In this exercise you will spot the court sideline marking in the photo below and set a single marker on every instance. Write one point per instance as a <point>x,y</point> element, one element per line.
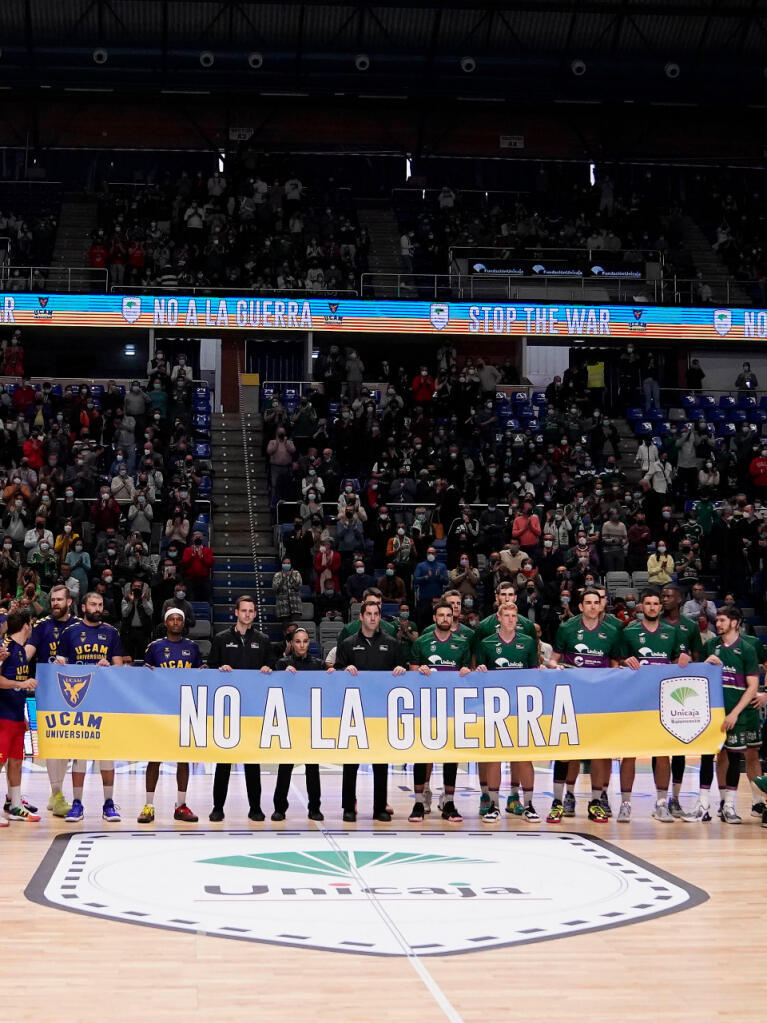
<point>413,958</point>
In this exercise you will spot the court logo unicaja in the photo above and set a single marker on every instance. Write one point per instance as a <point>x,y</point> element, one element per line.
<point>685,709</point>
<point>365,892</point>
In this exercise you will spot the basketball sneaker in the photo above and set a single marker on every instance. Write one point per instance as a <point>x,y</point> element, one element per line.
<point>514,804</point>
<point>624,814</point>
<point>110,812</point>
<point>675,807</point>
<point>568,806</point>
<point>529,814</point>
<point>596,812</point>
<point>24,802</point>
<point>183,813</point>
<point>58,805</point>
<point>662,813</point>
<point>555,813</point>
<point>427,794</point>
<point>604,802</point>
<point>76,812</point>
<point>450,812</point>
<point>147,815</point>
<point>730,815</point>
<point>492,814</point>
<point>416,814</point>
<point>699,813</point>
<point>20,813</point>
<point>484,804</point>
<point>758,809</point>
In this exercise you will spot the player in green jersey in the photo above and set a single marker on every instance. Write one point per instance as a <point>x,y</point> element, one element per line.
<point>352,628</point>
<point>505,593</point>
<point>753,763</point>
<point>442,650</point>
<point>453,598</point>
<point>585,642</point>
<point>649,640</point>
<point>671,598</point>
<point>508,648</point>
<point>740,678</point>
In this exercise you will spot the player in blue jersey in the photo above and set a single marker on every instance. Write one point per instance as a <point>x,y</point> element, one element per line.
<point>15,685</point>
<point>91,641</point>
<point>172,652</point>
<point>43,645</point>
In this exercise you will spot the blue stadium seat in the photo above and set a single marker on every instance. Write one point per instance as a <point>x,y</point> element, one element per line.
<point>763,401</point>
<point>538,397</point>
<point>202,391</point>
<point>204,517</point>
<point>634,414</point>
<point>690,401</point>
<point>757,415</point>
<point>747,401</point>
<point>205,488</point>
<point>533,425</point>
<point>390,610</point>
<point>707,401</point>
<point>201,609</point>
<point>643,429</point>
<point>726,430</point>
<point>738,416</point>
<point>201,450</point>
<point>662,429</point>
<point>97,390</point>
<point>696,415</point>
<point>727,402</point>
<point>57,390</point>
<point>716,416</point>
<point>519,397</point>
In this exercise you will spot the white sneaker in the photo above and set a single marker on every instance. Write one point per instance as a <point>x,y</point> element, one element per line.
<point>699,813</point>
<point>492,815</point>
<point>426,799</point>
<point>730,815</point>
<point>624,814</point>
<point>662,813</point>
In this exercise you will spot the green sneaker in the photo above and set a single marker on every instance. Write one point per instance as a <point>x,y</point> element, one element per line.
<point>761,782</point>
<point>484,804</point>
<point>58,805</point>
<point>514,805</point>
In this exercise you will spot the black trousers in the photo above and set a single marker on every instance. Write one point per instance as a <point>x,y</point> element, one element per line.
<point>252,784</point>
<point>284,774</point>
<point>449,774</point>
<point>349,787</point>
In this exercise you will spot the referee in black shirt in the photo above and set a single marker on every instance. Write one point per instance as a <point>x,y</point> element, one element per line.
<point>240,647</point>
<point>368,650</point>
<point>298,659</point>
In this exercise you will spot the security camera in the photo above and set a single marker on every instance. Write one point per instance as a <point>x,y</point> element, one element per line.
<point>672,70</point>
<point>100,56</point>
<point>255,60</point>
<point>362,62</point>
<point>578,68</point>
<point>207,59</point>
<point>468,64</point>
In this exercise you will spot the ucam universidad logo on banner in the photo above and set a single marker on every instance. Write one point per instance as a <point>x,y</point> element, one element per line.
<point>685,707</point>
<point>391,894</point>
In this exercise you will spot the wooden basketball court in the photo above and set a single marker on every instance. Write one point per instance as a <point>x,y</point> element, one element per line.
<point>701,961</point>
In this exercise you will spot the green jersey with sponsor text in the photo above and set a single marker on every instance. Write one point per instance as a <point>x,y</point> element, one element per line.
<point>661,645</point>
<point>521,652</point>
<point>581,647</point>
<point>444,655</point>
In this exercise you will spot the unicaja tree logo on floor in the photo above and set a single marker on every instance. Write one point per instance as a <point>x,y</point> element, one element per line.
<point>398,894</point>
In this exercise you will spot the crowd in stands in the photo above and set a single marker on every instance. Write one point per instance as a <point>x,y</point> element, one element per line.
<point>436,482</point>
<point>107,489</point>
<point>629,223</point>
<point>242,232</point>
<point>28,224</point>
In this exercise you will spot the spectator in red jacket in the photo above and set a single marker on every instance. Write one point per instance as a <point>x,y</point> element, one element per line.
<point>327,564</point>
<point>758,472</point>
<point>105,512</point>
<point>98,255</point>
<point>197,565</point>
<point>423,387</point>
<point>526,528</point>
<point>24,396</point>
<point>33,451</point>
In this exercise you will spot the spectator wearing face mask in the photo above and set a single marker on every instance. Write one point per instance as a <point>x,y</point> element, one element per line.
<point>429,580</point>
<point>401,550</point>
<point>38,534</point>
<point>136,407</point>
<point>614,543</point>
<point>708,475</point>
<point>422,387</point>
<point>492,527</point>
<point>392,586</point>
<point>71,509</point>
<point>122,487</point>
<point>9,566</point>
<point>16,521</point>
<point>287,585</point>
<point>136,618</point>
<point>358,581</point>
<point>280,452</point>
<point>79,561</point>
<point>757,470</point>
<point>465,578</point>
<point>177,527</point>
<point>526,527</point>
<point>327,565</point>
<point>660,566</point>
<point>197,564</point>
<point>141,516</point>
<point>65,541</point>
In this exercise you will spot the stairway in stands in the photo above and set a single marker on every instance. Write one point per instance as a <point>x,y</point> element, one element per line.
<point>384,256</point>
<point>244,540</point>
<point>77,222</point>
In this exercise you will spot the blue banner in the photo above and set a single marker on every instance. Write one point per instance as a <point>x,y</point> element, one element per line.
<point>316,717</point>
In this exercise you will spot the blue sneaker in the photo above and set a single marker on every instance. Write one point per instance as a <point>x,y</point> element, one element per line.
<point>76,812</point>
<point>109,813</point>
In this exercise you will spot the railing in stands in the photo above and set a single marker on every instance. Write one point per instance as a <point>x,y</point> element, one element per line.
<point>512,251</point>
<point>53,278</point>
<point>212,289</point>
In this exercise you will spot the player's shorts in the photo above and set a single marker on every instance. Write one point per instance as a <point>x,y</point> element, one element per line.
<point>11,740</point>
<point>747,732</point>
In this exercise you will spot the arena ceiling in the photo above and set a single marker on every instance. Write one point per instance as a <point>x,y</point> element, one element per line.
<point>567,50</point>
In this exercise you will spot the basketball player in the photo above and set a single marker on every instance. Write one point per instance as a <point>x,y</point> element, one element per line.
<point>15,684</point>
<point>440,650</point>
<point>43,644</point>
<point>585,642</point>
<point>175,651</point>
<point>91,641</point>
<point>509,648</point>
<point>649,640</point>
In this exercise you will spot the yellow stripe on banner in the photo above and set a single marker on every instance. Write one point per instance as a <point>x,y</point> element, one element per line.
<point>156,737</point>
